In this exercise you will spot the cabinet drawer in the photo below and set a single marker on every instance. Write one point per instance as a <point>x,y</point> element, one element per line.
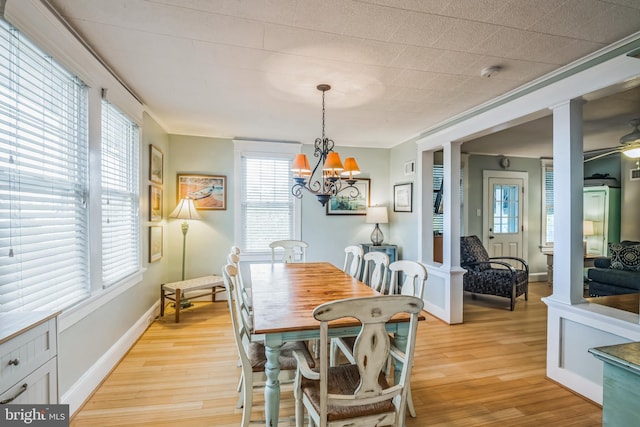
<point>26,352</point>
<point>38,388</point>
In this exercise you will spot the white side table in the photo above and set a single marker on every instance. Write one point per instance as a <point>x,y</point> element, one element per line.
<point>174,291</point>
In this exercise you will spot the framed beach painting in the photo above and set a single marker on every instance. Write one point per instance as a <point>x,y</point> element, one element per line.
<point>346,204</point>
<point>155,243</point>
<point>156,170</point>
<point>155,203</point>
<point>207,191</point>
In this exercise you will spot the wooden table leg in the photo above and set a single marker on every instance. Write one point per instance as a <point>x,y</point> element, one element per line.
<point>272,387</point>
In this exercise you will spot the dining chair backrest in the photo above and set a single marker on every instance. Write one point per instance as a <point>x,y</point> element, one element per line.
<point>353,260</point>
<point>235,250</point>
<point>371,351</point>
<point>376,268</point>
<point>240,318</point>
<point>243,288</point>
<point>415,278</point>
<point>293,250</point>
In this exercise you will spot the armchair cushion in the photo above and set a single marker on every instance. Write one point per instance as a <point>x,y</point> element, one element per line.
<point>473,252</point>
<point>625,256</point>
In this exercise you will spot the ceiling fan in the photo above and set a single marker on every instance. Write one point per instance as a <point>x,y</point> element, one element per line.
<point>630,144</point>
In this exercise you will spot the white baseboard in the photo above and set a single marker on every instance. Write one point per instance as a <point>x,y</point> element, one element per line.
<point>537,277</point>
<point>79,392</point>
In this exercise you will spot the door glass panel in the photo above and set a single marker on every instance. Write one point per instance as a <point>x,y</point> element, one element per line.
<point>505,208</point>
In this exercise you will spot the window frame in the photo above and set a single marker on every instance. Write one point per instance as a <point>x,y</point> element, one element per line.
<point>44,145</point>
<point>546,167</point>
<point>263,149</point>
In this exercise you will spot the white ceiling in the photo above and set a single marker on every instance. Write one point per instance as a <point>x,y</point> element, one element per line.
<point>249,69</point>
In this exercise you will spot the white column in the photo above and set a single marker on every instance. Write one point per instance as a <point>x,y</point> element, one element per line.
<point>451,237</point>
<point>568,202</point>
<point>451,205</point>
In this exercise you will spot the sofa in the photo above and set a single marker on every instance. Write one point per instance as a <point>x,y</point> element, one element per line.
<point>617,274</point>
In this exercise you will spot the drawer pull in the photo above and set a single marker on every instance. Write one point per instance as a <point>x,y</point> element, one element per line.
<point>15,361</point>
<point>23,388</point>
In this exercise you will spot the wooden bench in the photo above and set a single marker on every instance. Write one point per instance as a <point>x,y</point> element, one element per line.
<point>175,291</point>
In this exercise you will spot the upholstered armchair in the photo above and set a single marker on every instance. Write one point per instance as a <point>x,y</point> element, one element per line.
<point>492,276</point>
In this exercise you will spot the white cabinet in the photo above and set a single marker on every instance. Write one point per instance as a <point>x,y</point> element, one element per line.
<point>28,358</point>
<point>602,207</point>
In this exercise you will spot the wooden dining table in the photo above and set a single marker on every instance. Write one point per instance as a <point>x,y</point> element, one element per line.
<point>284,297</point>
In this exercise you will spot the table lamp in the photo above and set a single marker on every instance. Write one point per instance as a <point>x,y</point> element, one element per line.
<point>377,215</point>
<point>587,230</point>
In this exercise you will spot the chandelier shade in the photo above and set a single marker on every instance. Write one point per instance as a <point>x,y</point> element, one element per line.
<point>324,180</point>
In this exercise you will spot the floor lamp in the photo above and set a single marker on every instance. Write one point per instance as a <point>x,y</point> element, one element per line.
<point>185,210</point>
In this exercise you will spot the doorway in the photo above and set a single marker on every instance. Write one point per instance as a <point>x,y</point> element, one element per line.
<point>505,210</point>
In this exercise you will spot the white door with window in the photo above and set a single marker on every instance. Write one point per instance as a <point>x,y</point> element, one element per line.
<point>505,208</point>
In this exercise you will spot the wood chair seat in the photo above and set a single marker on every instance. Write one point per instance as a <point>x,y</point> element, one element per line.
<point>258,359</point>
<point>344,380</point>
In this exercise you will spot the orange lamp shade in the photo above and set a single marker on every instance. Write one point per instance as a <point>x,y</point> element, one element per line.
<point>300,165</point>
<point>351,167</point>
<point>333,163</point>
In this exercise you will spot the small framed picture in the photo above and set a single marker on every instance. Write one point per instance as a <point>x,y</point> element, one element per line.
<point>409,167</point>
<point>155,243</point>
<point>402,197</point>
<point>156,159</point>
<point>155,203</point>
<point>207,191</point>
<point>349,201</point>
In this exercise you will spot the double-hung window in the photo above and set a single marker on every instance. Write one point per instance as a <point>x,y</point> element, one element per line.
<point>547,204</point>
<point>44,245</point>
<point>120,196</point>
<point>267,209</point>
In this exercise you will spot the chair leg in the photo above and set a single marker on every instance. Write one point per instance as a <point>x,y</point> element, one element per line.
<point>248,402</point>
<point>412,410</point>
<point>333,353</point>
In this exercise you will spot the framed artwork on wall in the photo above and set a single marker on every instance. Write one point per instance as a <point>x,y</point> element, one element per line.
<point>156,170</point>
<point>402,197</point>
<point>345,204</point>
<point>155,243</point>
<point>207,191</point>
<point>155,203</point>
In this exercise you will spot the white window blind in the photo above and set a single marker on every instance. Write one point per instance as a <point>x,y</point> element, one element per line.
<point>267,205</point>
<point>120,196</point>
<point>43,179</point>
<point>438,222</point>
<point>547,208</point>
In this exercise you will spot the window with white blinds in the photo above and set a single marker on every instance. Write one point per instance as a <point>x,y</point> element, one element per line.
<point>120,196</point>
<point>547,203</point>
<point>43,179</point>
<point>438,221</point>
<point>267,205</point>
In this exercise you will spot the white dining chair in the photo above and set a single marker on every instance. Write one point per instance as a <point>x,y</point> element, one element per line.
<point>376,278</point>
<point>292,250</point>
<point>353,260</point>
<point>376,270</point>
<point>415,278</point>
<point>358,394</point>
<point>252,354</point>
<point>234,259</point>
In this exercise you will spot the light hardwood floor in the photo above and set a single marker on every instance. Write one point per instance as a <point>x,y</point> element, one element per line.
<point>488,371</point>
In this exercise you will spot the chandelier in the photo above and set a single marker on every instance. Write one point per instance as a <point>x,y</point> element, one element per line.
<point>327,182</point>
